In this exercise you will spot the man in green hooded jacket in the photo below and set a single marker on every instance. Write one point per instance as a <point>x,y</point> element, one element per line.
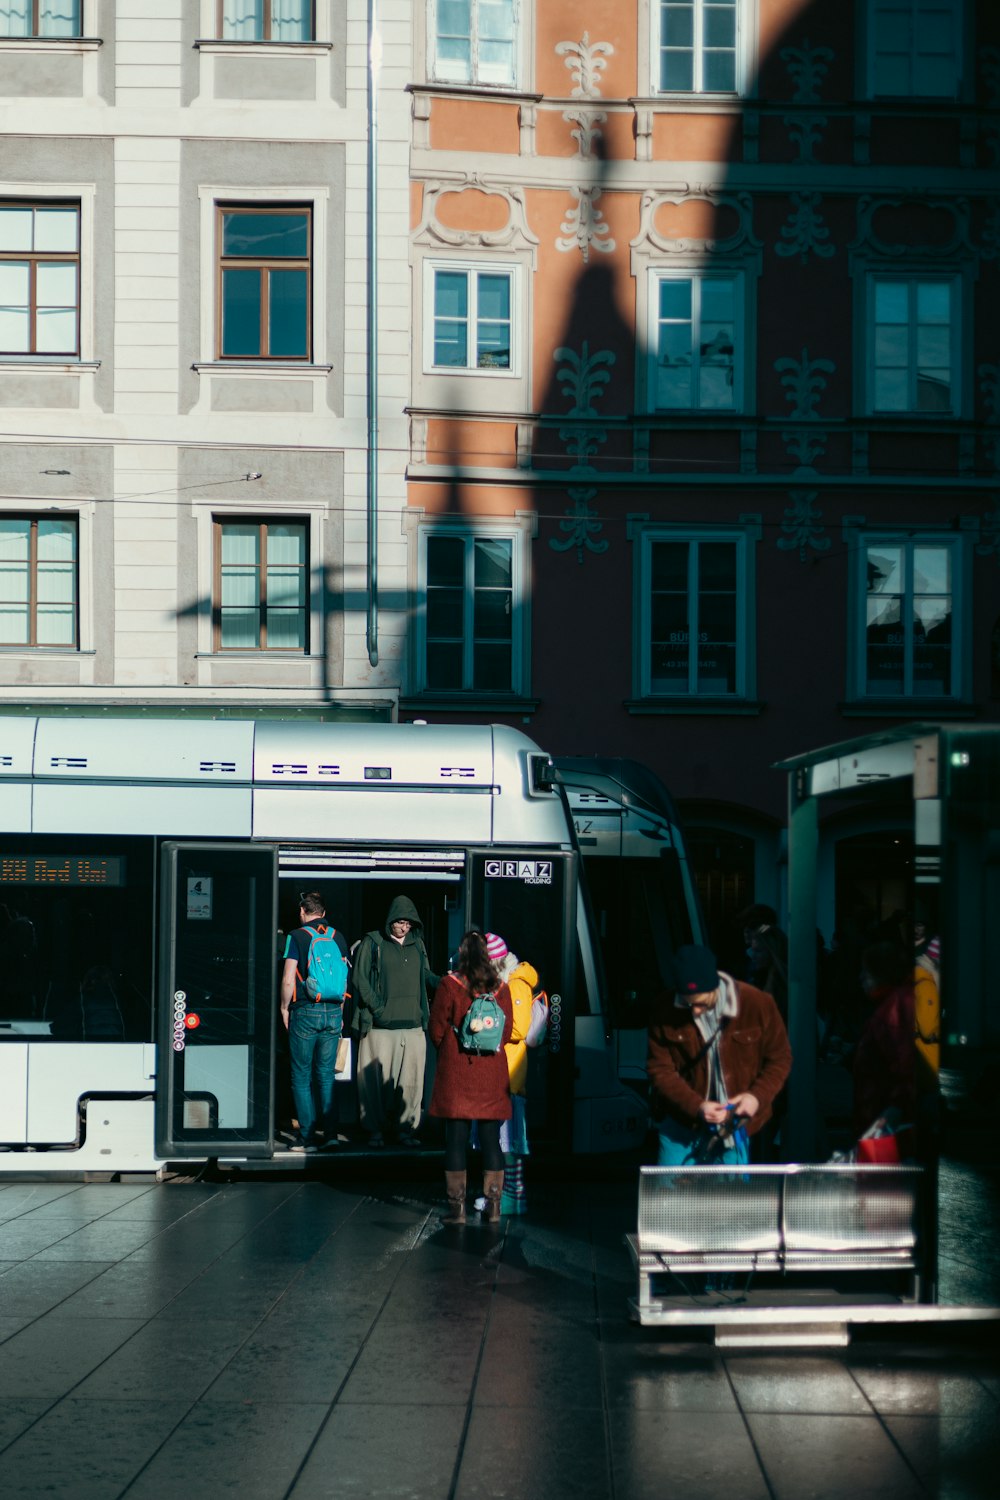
<point>391,980</point>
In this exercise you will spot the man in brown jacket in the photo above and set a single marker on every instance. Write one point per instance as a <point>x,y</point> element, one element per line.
<point>718,1051</point>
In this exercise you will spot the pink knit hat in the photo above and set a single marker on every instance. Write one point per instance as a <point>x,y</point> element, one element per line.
<point>496,948</point>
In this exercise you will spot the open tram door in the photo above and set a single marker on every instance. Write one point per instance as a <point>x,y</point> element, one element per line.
<point>216,1000</point>
<point>529,897</point>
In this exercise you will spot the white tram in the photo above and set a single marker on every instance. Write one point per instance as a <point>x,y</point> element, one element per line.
<point>149,869</point>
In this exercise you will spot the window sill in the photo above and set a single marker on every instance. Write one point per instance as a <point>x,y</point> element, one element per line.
<point>48,43</point>
<point>253,654</point>
<point>34,652</point>
<point>907,708</point>
<point>681,103</point>
<point>49,362</point>
<point>504,92</point>
<point>265,49</point>
<point>260,367</point>
<point>469,702</point>
<point>680,705</point>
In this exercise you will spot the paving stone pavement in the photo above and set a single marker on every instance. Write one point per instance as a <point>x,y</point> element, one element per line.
<point>323,1336</point>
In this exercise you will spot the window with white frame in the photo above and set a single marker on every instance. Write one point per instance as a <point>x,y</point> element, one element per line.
<point>471,323</point>
<point>43,18</point>
<point>39,278</point>
<point>39,582</point>
<point>697,46</point>
<point>473,42</point>
<point>915,48</point>
<point>913,332</point>
<point>472,611</point>
<point>266,20</point>
<point>695,614</point>
<point>265,281</point>
<point>696,338</point>
<point>909,621</point>
<point>261,589</point>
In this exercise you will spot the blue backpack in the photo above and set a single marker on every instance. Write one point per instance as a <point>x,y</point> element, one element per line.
<point>481,1028</point>
<point>326,966</point>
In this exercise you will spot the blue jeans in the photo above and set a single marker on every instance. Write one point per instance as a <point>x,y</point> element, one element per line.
<point>677,1143</point>
<point>314,1030</point>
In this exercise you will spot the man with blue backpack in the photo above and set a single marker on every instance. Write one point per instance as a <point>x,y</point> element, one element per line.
<point>313,989</point>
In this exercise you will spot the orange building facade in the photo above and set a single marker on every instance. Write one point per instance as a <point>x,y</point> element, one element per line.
<point>705,388</point>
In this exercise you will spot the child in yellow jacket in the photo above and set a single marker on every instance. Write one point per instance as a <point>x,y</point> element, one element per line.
<point>522,980</point>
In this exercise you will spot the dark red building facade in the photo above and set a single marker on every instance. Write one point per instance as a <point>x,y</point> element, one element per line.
<point>705,400</point>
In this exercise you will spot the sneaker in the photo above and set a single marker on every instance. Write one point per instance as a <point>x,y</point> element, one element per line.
<point>408,1139</point>
<point>329,1146</point>
<point>296,1145</point>
<point>311,1148</point>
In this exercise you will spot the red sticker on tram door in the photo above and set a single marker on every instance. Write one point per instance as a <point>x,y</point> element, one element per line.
<point>191,1020</point>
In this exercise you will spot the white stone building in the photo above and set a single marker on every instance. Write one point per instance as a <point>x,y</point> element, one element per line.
<point>185,500</point>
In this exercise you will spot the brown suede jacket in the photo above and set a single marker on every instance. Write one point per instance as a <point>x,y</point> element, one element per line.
<point>756,1057</point>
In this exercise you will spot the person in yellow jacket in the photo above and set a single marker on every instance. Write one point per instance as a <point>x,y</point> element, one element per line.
<point>522,980</point>
<point>927,994</point>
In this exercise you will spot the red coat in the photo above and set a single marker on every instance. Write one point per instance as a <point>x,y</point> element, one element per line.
<point>467,1086</point>
<point>885,1060</point>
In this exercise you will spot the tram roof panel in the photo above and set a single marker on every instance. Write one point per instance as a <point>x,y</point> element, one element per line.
<point>113,749</point>
<point>17,746</point>
<point>393,754</point>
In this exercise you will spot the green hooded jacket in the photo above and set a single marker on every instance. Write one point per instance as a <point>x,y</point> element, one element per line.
<point>368,977</point>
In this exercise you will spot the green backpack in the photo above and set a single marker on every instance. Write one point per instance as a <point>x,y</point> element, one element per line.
<point>481,1028</point>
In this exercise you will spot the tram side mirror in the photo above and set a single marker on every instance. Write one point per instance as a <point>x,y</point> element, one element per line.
<point>542,775</point>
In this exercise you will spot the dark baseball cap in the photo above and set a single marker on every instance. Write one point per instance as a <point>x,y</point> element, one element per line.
<point>695,971</point>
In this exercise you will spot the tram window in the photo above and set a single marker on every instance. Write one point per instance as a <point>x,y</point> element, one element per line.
<point>76,952</point>
<point>641,917</point>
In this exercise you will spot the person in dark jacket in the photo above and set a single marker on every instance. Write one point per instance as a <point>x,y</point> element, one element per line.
<point>470,1086</point>
<point>392,978</point>
<point>717,1049</point>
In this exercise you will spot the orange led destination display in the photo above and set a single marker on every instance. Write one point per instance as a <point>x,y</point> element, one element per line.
<point>62,869</point>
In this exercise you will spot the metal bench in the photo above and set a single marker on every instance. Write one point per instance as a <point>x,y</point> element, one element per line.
<point>780,1219</point>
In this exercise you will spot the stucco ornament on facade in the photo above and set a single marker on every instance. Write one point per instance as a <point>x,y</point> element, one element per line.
<point>586,60</point>
<point>869,240</point>
<point>584,227</point>
<point>583,377</point>
<point>649,240</point>
<point>805,232</point>
<point>804,381</point>
<point>808,66</point>
<point>802,526</point>
<point>514,235</point>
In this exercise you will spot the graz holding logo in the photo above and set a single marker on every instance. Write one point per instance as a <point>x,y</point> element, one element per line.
<point>530,871</point>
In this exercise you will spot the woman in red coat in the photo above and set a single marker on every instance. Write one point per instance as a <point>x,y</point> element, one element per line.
<point>467,1085</point>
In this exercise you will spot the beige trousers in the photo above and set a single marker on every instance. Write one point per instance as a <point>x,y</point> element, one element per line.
<point>391,1078</point>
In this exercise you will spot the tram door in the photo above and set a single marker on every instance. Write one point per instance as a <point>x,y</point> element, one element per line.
<point>216,1000</point>
<point>532,904</point>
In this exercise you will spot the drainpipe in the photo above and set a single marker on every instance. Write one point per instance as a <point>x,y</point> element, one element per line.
<point>374,59</point>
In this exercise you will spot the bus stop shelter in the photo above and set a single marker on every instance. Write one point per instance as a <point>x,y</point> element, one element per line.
<point>948,776</point>
<point>841,1217</point>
